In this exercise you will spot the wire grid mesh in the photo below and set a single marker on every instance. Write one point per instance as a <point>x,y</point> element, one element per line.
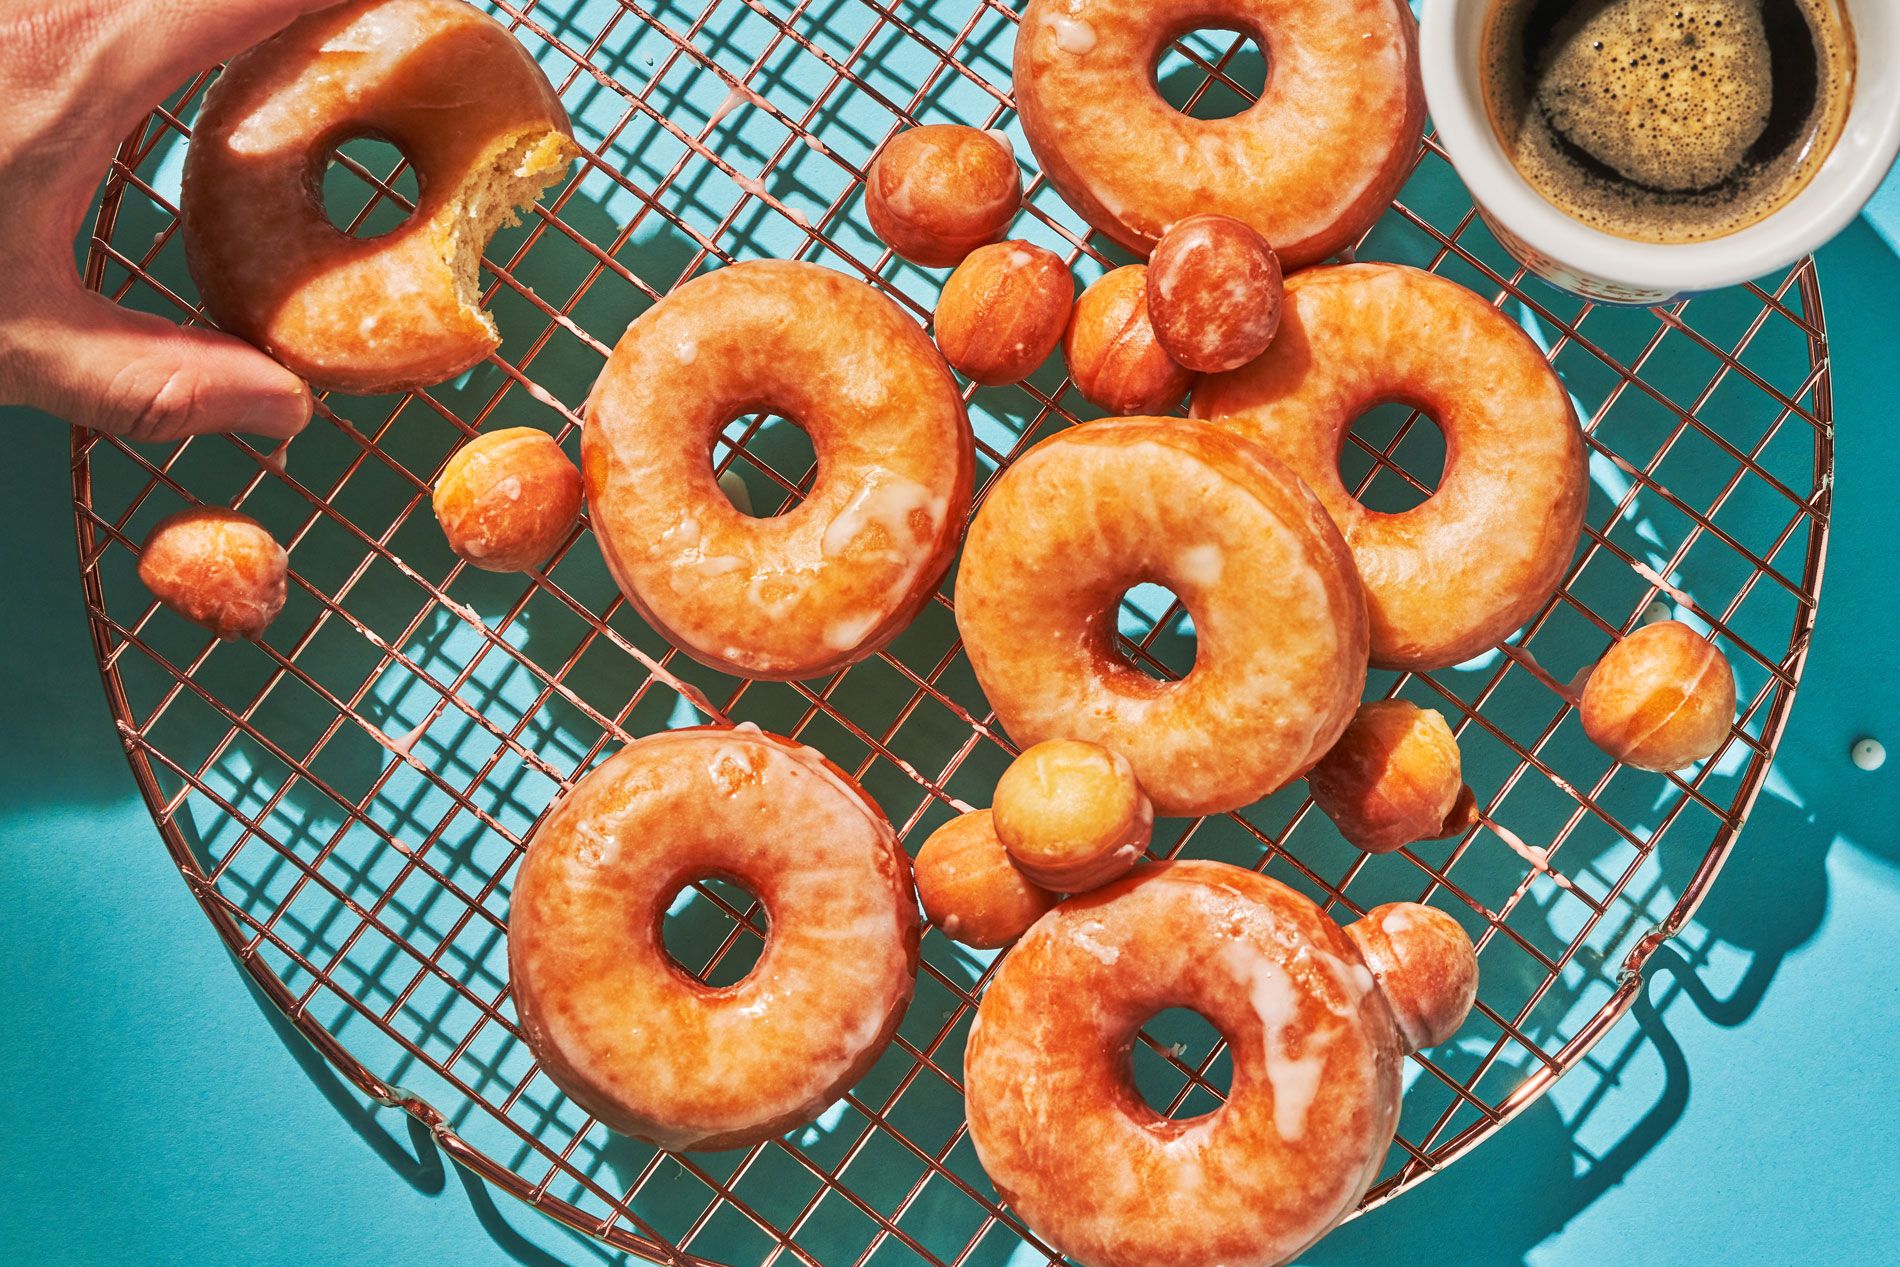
<point>349,797</point>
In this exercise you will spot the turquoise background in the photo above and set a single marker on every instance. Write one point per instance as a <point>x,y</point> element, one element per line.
<point>155,1110</point>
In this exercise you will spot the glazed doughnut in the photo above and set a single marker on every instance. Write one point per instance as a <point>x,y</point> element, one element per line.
<point>1214,292</point>
<point>217,568</point>
<point>1316,1048</point>
<point>935,193</point>
<point>1003,311</point>
<point>1115,358</point>
<point>465,103</point>
<point>1394,777</point>
<point>1071,815</point>
<point>621,1028</point>
<point>969,887</point>
<point>1661,699</point>
<point>836,577</point>
<point>1455,574</point>
<point>1310,166</point>
<point>1076,522</point>
<point>507,498</point>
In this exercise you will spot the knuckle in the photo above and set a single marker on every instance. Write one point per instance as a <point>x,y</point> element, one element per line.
<point>155,403</point>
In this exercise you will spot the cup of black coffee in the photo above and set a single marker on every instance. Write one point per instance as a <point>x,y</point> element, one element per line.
<point>1634,150</point>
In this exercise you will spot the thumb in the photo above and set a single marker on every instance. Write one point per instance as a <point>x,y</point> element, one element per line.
<point>101,366</point>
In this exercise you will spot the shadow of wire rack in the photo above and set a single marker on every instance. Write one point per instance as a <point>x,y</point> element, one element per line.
<point>348,798</point>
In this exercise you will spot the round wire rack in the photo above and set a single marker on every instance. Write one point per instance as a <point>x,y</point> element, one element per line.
<point>348,798</point>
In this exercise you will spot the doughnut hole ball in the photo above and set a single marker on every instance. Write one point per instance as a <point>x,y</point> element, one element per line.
<point>1214,292</point>
<point>1425,966</point>
<point>507,499</point>
<point>971,890</point>
<point>1113,354</point>
<point>1003,311</point>
<point>1394,777</point>
<point>937,192</point>
<point>1071,815</point>
<point>216,568</point>
<point>1661,699</point>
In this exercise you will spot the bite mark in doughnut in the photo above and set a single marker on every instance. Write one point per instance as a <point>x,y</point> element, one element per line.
<point>1279,615</point>
<point>1310,166</point>
<point>841,574</point>
<point>1455,574</point>
<point>469,109</point>
<point>1072,1147</point>
<point>621,1028</point>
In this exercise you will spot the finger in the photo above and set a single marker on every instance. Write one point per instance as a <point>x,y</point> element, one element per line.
<point>171,40</point>
<point>101,366</point>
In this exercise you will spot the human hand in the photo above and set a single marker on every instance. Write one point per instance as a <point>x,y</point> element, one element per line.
<point>76,76</point>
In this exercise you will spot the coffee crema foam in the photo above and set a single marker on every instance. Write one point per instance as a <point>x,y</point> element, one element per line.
<point>1668,120</point>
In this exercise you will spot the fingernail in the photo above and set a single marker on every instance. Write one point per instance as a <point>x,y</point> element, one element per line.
<point>280,414</point>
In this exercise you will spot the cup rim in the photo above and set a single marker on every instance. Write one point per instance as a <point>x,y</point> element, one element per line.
<point>1833,197</point>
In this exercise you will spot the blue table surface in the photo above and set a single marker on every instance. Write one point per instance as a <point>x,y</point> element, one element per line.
<point>155,1110</point>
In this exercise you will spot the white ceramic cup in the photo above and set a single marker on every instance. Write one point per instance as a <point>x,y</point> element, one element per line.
<point>1602,266</point>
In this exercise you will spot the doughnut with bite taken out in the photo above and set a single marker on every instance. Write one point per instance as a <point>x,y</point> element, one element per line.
<point>471,111</point>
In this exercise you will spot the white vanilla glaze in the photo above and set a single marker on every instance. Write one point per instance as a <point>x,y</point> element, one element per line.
<point>889,504</point>
<point>1072,35</point>
<point>1276,1001</point>
<point>1200,565</point>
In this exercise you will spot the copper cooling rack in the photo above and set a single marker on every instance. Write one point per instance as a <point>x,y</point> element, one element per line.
<point>348,799</point>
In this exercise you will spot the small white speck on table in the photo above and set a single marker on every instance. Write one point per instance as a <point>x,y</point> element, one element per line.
<point>1869,753</point>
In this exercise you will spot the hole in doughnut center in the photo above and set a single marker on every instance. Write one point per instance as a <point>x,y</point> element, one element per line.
<point>765,464</point>
<point>1393,458</point>
<point>1212,73</point>
<point>1170,1066</point>
<point>352,197</point>
<point>1156,633</point>
<point>704,939</point>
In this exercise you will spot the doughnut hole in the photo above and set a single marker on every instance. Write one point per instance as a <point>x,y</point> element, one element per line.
<point>1003,311</point>
<point>705,941</point>
<point>774,468</point>
<point>507,499</point>
<point>935,193</point>
<point>1071,815</point>
<point>1387,466</point>
<point>1158,628</point>
<point>1663,698</point>
<point>971,890</point>
<point>216,568</point>
<point>1114,357</point>
<point>1425,966</point>
<point>1214,293</point>
<point>354,177</point>
<point>1393,777</point>
<point>1181,72</point>
<point>1179,1036</point>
